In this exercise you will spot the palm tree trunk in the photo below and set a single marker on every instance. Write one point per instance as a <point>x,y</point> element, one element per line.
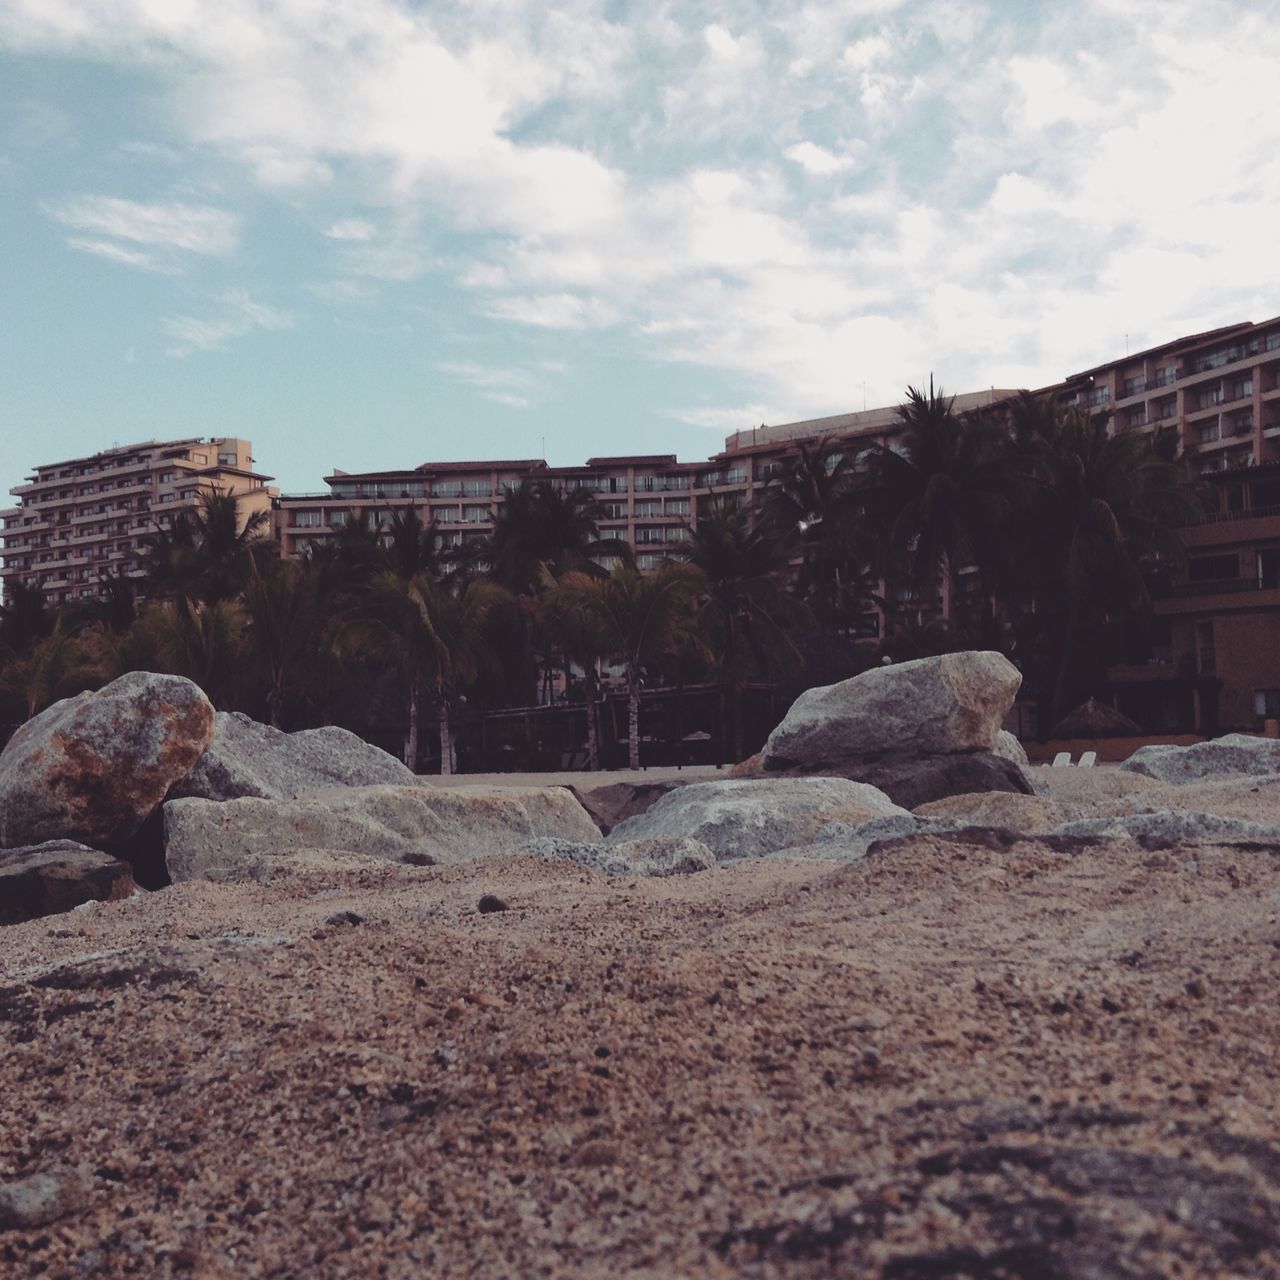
<point>633,716</point>
<point>446,738</point>
<point>411,736</point>
<point>593,730</point>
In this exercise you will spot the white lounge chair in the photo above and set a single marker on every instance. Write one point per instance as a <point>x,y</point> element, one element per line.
<point>1061,759</point>
<point>1088,760</point>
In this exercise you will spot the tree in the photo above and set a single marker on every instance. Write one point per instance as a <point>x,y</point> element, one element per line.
<point>282,606</point>
<point>813,504</point>
<point>24,618</point>
<point>56,666</point>
<point>572,623</point>
<point>941,491</point>
<point>747,611</point>
<point>1100,511</point>
<point>433,635</point>
<point>643,617</point>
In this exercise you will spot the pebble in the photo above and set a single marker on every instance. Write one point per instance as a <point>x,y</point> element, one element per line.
<point>489,903</point>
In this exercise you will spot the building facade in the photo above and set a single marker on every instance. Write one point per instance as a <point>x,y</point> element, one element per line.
<point>82,521</point>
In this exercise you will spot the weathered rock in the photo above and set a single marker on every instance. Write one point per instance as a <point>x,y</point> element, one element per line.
<point>246,758</point>
<point>44,879</point>
<point>1168,828</point>
<point>1011,749</point>
<point>611,804</point>
<point>93,767</point>
<point>747,817</point>
<point>655,856</point>
<point>1085,790</point>
<point>1232,754</point>
<point>911,780</point>
<point>930,706</point>
<point>41,1198</point>
<point>206,839</point>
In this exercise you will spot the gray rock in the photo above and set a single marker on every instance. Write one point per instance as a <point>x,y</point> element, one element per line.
<point>246,758</point>
<point>1166,828</point>
<point>911,780</point>
<point>1010,748</point>
<point>930,706</point>
<point>41,1198</point>
<point>1230,755</point>
<point>657,856</point>
<point>207,839</point>
<point>92,768</point>
<point>44,879</point>
<point>753,817</point>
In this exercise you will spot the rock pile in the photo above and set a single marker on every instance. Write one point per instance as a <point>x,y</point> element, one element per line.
<point>918,730</point>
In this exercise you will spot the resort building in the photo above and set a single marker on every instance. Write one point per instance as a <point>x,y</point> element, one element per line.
<point>84,520</point>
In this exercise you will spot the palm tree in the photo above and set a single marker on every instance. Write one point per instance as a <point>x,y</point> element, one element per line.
<point>282,604</point>
<point>1100,509</point>
<point>747,606</point>
<point>575,627</point>
<point>24,618</point>
<point>411,546</point>
<point>813,504</point>
<point>433,635</point>
<point>941,491</point>
<point>56,666</point>
<point>644,617</point>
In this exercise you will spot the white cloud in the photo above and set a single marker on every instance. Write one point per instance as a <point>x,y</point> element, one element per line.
<point>1015,187</point>
<point>167,230</point>
<point>351,229</point>
<point>237,316</point>
<point>818,160</point>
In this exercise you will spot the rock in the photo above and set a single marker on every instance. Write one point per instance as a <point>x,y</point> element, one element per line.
<point>997,809</point>
<point>41,1198</point>
<point>1011,749</point>
<point>490,903</point>
<point>930,706</point>
<point>93,767</point>
<point>610,804</point>
<point>246,758</point>
<point>748,768</point>
<point>206,839</point>
<point>1091,788</point>
<point>1232,754</point>
<point>911,780</point>
<point>746,817</point>
<point>1167,828</point>
<point>44,879</point>
<point>654,856</point>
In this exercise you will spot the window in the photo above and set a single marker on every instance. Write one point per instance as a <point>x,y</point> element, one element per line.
<point>677,506</point>
<point>648,510</point>
<point>615,510</point>
<point>476,488</point>
<point>476,515</point>
<point>1266,704</point>
<point>1210,432</point>
<point>166,477</point>
<point>1132,386</point>
<point>226,459</point>
<point>1167,408</point>
<point>307,519</point>
<point>1213,568</point>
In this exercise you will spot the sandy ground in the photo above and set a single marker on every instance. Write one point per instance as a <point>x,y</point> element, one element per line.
<point>951,1059</point>
<point>581,779</point>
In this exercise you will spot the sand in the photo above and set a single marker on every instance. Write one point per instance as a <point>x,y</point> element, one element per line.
<point>947,1060</point>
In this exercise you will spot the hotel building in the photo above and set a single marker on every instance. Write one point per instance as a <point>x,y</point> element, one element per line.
<point>84,520</point>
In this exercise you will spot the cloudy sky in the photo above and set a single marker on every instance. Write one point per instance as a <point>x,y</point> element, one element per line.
<point>369,233</point>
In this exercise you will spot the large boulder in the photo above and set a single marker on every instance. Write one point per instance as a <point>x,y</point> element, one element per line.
<point>930,706</point>
<point>246,838</point>
<point>911,780</point>
<point>93,767</point>
<point>1008,746</point>
<point>246,758</point>
<point>750,818</point>
<point>1225,757</point>
<point>44,879</point>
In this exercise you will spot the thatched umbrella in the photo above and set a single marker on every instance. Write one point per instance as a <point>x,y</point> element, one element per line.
<point>1095,719</point>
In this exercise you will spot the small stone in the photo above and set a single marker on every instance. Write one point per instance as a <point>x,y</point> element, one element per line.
<point>490,903</point>
<point>39,1199</point>
<point>344,917</point>
<point>1196,988</point>
<point>871,1020</point>
<point>596,1155</point>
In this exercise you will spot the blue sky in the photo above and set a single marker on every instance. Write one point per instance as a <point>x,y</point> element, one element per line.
<point>368,233</point>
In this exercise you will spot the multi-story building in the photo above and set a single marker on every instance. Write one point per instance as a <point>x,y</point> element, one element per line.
<point>83,520</point>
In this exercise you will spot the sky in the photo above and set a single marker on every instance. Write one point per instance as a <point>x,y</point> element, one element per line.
<point>372,233</point>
